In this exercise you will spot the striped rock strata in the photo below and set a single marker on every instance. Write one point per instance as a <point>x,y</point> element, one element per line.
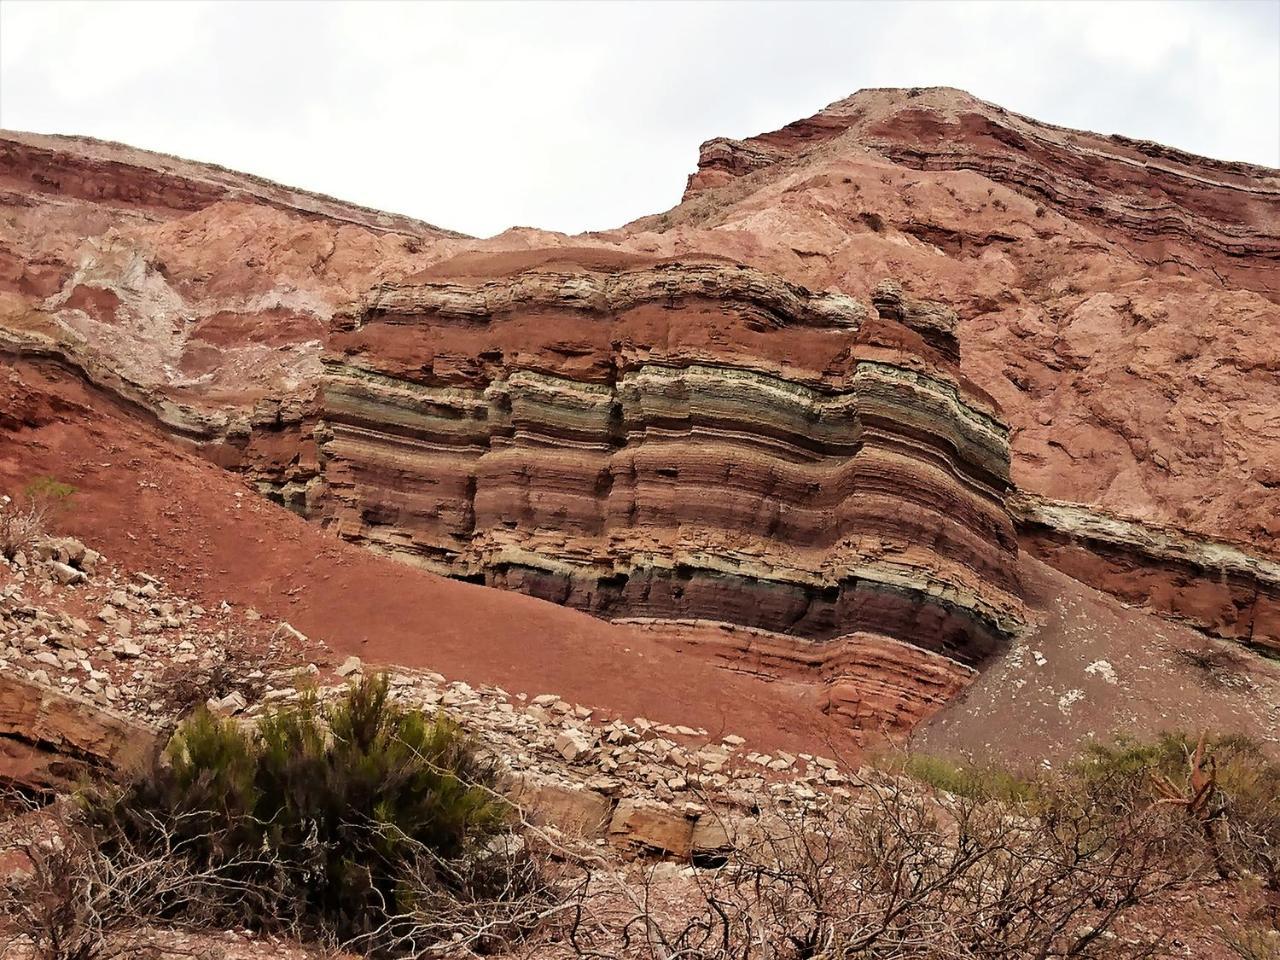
<point>677,440</point>
<point>1213,584</point>
<point>51,740</point>
<point>878,686</point>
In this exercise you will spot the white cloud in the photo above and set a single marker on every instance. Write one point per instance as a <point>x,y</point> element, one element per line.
<point>575,116</point>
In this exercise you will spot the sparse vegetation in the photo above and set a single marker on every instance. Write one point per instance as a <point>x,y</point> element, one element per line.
<point>374,827</point>
<point>902,874</point>
<point>1220,666</point>
<point>1252,942</point>
<point>977,783</point>
<point>26,518</point>
<point>49,490</point>
<point>183,689</point>
<point>1226,787</point>
<point>363,824</point>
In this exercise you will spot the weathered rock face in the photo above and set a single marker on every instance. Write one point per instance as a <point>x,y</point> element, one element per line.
<point>1177,207</point>
<point>873,683</point>
<point>723,414</point>
<point>51,740</point>
<point>1210,583</point>
<point>189,290</point>
<point>102,172</point>
<point>1117,298</point>
<point>673,440</point>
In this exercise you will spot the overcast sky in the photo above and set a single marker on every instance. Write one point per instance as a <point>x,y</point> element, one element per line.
<point>583,116</point>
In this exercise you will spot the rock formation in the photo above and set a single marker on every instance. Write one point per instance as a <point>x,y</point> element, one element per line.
<point>1115,297</point>
<point>673,440</point>
<point>780,424</point>
<point>1211,583</point>
<point>50,740</point>
<point>1175,207</point>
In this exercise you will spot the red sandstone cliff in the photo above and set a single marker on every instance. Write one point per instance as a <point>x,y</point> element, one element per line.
<point>1117,299</point>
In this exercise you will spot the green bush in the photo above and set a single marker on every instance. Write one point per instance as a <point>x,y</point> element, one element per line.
<point>336,821</point>
<point>49,489</point>
<point>974,782</point>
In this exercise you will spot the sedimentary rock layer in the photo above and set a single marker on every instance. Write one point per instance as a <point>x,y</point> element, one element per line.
<point>673,440</point>
<point>1215,585</point>
<point>99,171</point>
<point>1174,205</point>
<point>50,740</point>
<point>879,686</point>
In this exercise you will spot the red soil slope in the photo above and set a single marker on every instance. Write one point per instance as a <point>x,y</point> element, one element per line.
<point>149,505</point>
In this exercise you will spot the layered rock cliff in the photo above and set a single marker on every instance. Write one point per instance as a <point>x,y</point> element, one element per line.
<point>673,440</point>
<point>723,423</point>
<point>1117,298</point>
<point>1212,584</point>
<point>1175,209</point>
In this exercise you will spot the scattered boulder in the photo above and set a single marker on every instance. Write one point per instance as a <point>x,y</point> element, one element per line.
<point>64,573</point>
<point>570,808</point>
<point>653,825</point>
<point>712,837</point>
<point>286,631</point>
<point>127,649</point>
<point>572,744</point>
<point>232,703</point>
<point>349,666</point>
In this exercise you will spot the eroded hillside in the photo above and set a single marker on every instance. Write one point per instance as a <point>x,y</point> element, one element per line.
<point>809,423</point>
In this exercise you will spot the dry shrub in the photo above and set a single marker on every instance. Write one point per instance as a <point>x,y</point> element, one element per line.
<point>904,875</point>
<point>66,898</point>
<point>1226,785</point>
<point>342,822</point>
<point>1220,666</point>
<point>28,517</point>
<point>183,687</point>
<point>1252,942</point>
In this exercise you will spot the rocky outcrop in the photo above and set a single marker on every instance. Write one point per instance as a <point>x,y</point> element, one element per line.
<point>1215,585</point>
<point>50,740</point>
<point>98,171</point>
<point>935,322</point>
<point>673,440</point>
<point>1173,205</point>
<point>1116,297</point>
<point>880,688</point>
<point>721,418</point>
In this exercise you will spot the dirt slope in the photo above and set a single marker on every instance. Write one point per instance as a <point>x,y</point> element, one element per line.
<point>153,506</point>
<point>1096,668</point>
